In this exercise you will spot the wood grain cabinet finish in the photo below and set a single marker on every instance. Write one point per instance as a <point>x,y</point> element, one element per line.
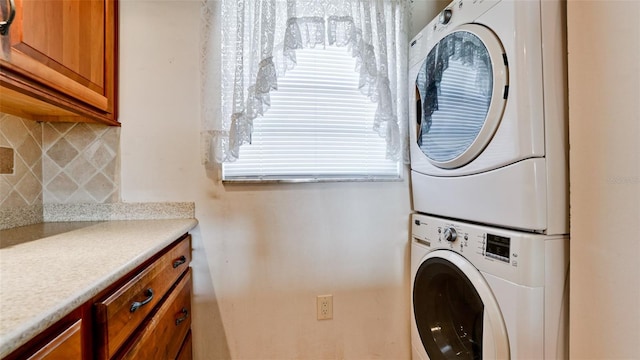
<point>105,327</point>
<point>58,60</point>
<point>67,345</point>
<point>186,349</point>
<point>118,316</point>
<point>162,338</point>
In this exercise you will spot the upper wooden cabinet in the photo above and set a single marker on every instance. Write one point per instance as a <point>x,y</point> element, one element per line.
<point>58,60</point>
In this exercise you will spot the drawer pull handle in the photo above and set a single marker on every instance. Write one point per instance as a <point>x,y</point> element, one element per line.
<point>179,261</point>
<point>4,25</point>
<point>184,317</point>
<point>137,304</point>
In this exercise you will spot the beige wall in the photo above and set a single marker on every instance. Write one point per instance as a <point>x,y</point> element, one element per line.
<point>604,103</point>
<point>262,253</point>
<point>423,11</point>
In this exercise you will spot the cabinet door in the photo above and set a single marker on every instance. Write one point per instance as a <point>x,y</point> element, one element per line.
<point>67,345</point>
<point>64,45</point>
<point>186,352</point>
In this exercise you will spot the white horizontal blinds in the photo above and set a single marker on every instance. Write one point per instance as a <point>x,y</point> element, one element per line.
<point>319,126</point>
<point>463,92</point>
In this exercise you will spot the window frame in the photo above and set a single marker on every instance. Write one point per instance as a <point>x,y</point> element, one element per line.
<point>398,175</point>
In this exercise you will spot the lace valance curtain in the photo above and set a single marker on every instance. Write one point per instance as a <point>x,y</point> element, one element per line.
<point>258,44</point>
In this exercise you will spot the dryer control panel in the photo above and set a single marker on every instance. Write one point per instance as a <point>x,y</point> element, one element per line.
<point>457,13</point>
<point>513,255</point>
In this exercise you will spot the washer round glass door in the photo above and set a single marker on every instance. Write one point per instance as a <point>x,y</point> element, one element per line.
<point>455,312</point>
<point>462,88</point>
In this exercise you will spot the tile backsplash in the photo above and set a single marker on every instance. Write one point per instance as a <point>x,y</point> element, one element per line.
<point>24,186</point>
<point>58,163</point>
<point>80,163</point>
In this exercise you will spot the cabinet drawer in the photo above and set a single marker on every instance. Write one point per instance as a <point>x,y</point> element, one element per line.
<point>165,333</point>
<point>125,309</point>
<point>67,345</point>
<point>185,351</point>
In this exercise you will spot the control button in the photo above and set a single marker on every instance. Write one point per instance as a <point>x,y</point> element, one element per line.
<point>445,16</point>
<point>417,222</point>
<point>450,234</point>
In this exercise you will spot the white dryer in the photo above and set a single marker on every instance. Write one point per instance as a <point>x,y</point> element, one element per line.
<point>488,120</point>
<point>487,293</point>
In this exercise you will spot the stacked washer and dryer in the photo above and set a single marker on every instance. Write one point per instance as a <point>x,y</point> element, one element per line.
<point>489,168</point>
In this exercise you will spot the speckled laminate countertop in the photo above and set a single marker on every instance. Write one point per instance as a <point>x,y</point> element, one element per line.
<point>47,270</point>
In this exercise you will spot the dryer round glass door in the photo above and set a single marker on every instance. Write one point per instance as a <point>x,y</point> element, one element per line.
<point>461,90</point>
<point>455,312</point>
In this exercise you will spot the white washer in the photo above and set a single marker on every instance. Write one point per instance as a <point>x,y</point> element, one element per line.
<point>487,293</point>
<point>489,140</point>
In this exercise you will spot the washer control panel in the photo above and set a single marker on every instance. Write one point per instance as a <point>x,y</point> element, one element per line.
<point>450,234</point>
<point>511,254</point>
<point>498,247</point>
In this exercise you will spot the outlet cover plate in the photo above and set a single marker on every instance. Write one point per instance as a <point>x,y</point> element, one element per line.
<point>325,307</point>
<point>6,160</point>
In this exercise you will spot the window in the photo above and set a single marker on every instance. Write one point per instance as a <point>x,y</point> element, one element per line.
<point>319,127</point>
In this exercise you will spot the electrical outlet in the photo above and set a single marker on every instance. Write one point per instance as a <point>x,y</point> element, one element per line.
<point>325,307</point>
<point>6,160</point>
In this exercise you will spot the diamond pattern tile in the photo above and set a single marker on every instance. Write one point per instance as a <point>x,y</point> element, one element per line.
<point>111,169</point>
<point>50,136</point>
<point>80,170</point>
<point>61,187</point>
<point>62,152</point>
<point>30,151</point>
<point>100,187</point>
<point>81,196</point>
<point>62,127</point>
<point>80,136</point>
<point>100,155</point>
<point>3,140</point>
<point>5,189</point>
<point>14,130</point>
<point>97,149</point>
<point>19,170</point>
<point>59,162</point>
<point>49,170</point>
<point>23,187</point>
<point>29,187</point>
<point>98,129</point>
<point>111,139</point>
<point>14,200</point>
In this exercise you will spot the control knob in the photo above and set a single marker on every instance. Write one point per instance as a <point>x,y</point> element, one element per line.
<point>445,16</point>
<point>450,234</point>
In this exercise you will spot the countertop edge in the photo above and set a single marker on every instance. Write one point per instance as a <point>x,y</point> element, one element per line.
<point>23,333</point>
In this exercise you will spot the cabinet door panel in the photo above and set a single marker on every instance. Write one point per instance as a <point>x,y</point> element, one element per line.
<point>61,44</point>
<point>77,49</point>
<point>67,345</point>
<point>186,352</point>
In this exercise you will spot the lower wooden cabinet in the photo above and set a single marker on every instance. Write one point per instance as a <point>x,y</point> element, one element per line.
<point>66,345</point>
<point>185,351</point>
<point>124,310</point>
<point>144,315</point>
<point>167,329</point>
